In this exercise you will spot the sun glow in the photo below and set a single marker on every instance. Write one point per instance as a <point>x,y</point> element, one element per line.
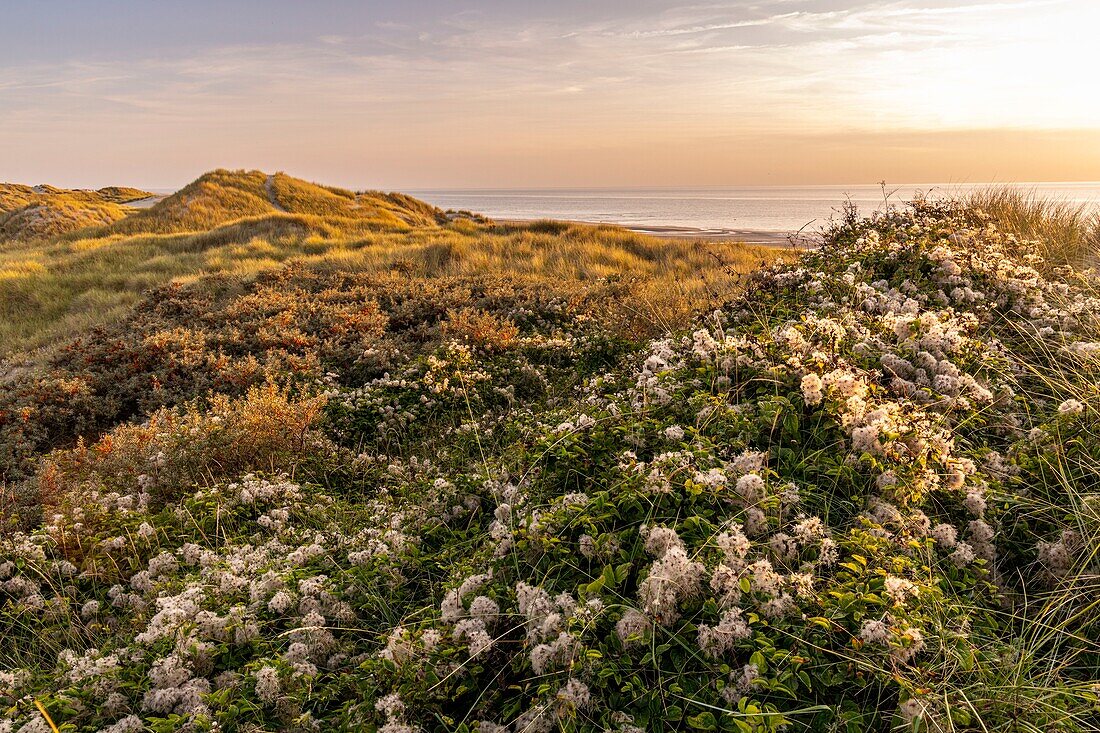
<point>1004,70</point>
<point>662,93</point>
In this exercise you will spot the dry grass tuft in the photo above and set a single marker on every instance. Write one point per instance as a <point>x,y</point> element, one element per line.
<point>480,328</point>
<point>1066,233</point>
<point>268,429</point>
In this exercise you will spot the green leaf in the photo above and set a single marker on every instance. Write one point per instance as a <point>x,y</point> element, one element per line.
<point>780,687</point>
<point>610,578</point>
<point>594,587</point>
<point>960,716</point>
<point>703,721</point>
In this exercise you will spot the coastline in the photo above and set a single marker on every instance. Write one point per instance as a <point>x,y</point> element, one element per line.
<point>746,236</point>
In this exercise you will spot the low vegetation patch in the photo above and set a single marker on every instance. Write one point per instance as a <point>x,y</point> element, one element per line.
<point>292,325</point>
<point>860,496</point>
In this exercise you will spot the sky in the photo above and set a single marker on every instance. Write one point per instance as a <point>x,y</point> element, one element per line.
<point>417,94</point>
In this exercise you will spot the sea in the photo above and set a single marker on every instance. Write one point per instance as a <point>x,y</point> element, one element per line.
<point>719,210</point>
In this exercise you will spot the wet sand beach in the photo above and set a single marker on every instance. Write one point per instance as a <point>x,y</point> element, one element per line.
<point>748,236</point>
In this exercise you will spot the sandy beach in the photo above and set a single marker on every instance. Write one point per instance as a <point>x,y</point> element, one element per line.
<point>737,235</point>
<point>747,236</point>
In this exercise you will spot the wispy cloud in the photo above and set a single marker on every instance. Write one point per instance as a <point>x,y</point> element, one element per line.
<point>680,74</point>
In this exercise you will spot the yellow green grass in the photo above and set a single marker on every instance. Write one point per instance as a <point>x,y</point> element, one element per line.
<point>15,195</point>
<point>1066,233</point>
<point>56,215</point>
<point>302,197</point>
<point>210,201</point>
<point>220,197</point>
<point>37,212</point>
<point>226,223</point>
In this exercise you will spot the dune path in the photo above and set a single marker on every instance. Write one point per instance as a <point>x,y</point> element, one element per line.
<point>269,184</point>
<point>146,202</point>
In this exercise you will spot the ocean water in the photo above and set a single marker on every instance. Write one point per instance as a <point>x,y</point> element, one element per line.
<point>713,210</point>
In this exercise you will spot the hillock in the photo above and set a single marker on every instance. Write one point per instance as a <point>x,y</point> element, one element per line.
<point>54,215</point>
<point>122,194</point>
<point>222,197</point>
<point>42,212</point>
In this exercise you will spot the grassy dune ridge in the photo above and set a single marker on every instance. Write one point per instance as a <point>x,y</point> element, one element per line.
<point>15,195</point>
<point>222,196</point>
<point>41,212</point>
<point>223,223</point>
<point>470,477</point>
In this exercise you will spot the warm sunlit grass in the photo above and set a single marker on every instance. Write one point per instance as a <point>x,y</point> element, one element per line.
<point>38,212</point>
<point>15,195</point>
<point>210,201</point>
<point>56,215</point>
<point>66,285</point>
<point>1067,233</point>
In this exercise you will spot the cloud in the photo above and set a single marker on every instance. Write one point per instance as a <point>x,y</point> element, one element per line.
<point>696,29</point>
<point>650,77</point>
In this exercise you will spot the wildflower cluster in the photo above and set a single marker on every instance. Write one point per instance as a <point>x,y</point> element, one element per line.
<point>844,500</point>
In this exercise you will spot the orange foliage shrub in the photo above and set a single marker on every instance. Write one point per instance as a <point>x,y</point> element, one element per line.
<point>480,328</point>
<point>268,429</point>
